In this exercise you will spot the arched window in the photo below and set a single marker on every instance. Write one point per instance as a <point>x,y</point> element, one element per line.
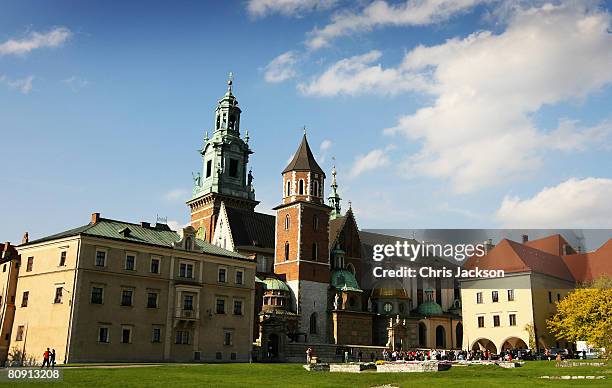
<point>301,187</point>
<point>316,188</point>
<point>422,335</point>
<point>315,251</point>
<point>286,250</point>
<point>188,244</point>
<point>313,323</point>
<point>218,121</point>
<point>440,337</point>
<point>287,222</point>
<point>315,222</point>
<point>288,188</point>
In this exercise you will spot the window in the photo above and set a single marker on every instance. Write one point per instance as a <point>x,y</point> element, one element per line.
<point>188,244</point>
<point>156,336</point>
<point>130,262</point>
<point>549,297</point>
<point>512,319</point>
<point>221,276</point>
<point>233,168</point>
<point>227,338</point>
<point>182,337</point>
<point>313,324</point>
<point>288,188</point>
<point>510,295</point>
<point>315,222</point>
<point>495,296</point>
<point>100,259</point>
<point>186,270</point>
<point>24,298</point>
<point>218,356</point>
<point>558,297</point>
<point>208,168</point>
<point>301,187</point>
<point>188,302</point>
<point>315,251</point>
<point>286,251</point>
<point>155,265</point>
<point>58,295</point>
<point>19,335</point>
<point>30,264</point>
<point>239,277</point>
<point>232,356</point>
<point>315,188</point>
<point>287,222</point>
<point>152,300</point>
<point>4,268</point>
<point>62,259</point>
<point>387,307</point>
<point>126,335</point>
<point>103,335</point>
<point>97,295</point>
<point>480,321</point>
<point>479,297</point>
<point>220,306</point>
<point>126,297</point>
<point>495,320</point>
<point>237,307</point>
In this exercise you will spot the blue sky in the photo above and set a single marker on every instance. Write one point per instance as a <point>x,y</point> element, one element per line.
<point>456,113</point>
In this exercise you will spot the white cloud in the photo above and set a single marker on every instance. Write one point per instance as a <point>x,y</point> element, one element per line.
<point>24,85</point>
<point>380,13</point>
<point>35,40</point>
<point>323,148</point>
<point>575,203</point>
<point>281,68</point>
<point>76,83</point>
<point>479,129</point>
<point>570,135</point>
<point>176,195</point>
<point>374,159</point>
<point>260,8</point>
<point>176,225</point>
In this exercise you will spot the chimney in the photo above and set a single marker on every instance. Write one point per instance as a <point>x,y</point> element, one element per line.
<point>26,238</point>
<point>145,224</point>
<point>525,238</point>
<point>95,218</point>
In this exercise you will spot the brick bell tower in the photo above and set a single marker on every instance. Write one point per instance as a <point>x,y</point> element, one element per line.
<point>302,241</point>
<point>224,176</point>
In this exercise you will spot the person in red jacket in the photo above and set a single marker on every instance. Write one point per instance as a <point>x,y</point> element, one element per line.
<point>46,356</point>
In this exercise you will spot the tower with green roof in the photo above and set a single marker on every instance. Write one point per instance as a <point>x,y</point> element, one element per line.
<point>334,198</point>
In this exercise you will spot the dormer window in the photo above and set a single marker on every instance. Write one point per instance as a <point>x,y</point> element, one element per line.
<point>125,232</point>
<point>188,244</point>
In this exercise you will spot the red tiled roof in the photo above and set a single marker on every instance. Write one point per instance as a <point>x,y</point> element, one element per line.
<point>586,267</point>
<point>555,245</point>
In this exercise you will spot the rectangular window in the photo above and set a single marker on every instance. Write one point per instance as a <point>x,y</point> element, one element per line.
<point>227,338</point>
<point>126,335</point>
<point>154,265</point>
<point>100,259</point>
<point>549,297</point>
<point>222,275</point>
<point>19,335</point>
<point>152,300</point>
<point>182,337</point>
<point>126,297</point>
<point>103,335</point>
<point>96,295</point>
<point>233,168</point>
<point>479,297</point>
<point>220,306</point>
<point>188,302</point>
<point>208,168</point>
<point>239,277</point>
<point>495,296</point>
<point>130,262</point>
<point>62,259</point>
<point>510,295</point>
<point>558,297</point>
<point>24,299</point>
<point>58,295</point>
<point>186,270</point>
<point>480,321</point>
<point>30,264</point>
<point>512,319</point>
<point>156,337</point>
<point>237,307</point>
<point>232,356</point>
<point>495,320</point>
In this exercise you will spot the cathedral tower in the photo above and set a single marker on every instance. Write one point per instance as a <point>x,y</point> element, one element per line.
<point>224,177</point>
<point>302,241</point>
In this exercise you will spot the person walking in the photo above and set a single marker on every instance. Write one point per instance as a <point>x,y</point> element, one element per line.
<point>52,361</point>
<point>46,356</point>
<point>308,355</point>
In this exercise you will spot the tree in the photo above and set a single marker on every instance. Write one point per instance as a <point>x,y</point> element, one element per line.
<point>585,314</point>
<point>532,339</point>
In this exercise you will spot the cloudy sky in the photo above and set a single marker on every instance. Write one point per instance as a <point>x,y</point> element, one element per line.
<point>439,113</point>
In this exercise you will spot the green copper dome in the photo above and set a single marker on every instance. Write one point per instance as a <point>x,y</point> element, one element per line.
<point>344,280</point>
<point>275,284</point>
<point>429,308</point>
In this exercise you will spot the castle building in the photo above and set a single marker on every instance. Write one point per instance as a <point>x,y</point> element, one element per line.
<point>9,262</point>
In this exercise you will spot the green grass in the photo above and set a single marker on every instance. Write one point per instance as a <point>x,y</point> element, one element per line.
<point>293,375</point>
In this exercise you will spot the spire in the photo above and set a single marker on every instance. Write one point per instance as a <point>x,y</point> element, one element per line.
<point>334,198</point>
<point>230,82</point>
<point>304,160</point>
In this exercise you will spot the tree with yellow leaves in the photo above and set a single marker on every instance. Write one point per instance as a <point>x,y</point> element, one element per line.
<point>585,314</point>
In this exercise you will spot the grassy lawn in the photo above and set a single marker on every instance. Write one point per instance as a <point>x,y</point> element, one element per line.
<point>293,375</point>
